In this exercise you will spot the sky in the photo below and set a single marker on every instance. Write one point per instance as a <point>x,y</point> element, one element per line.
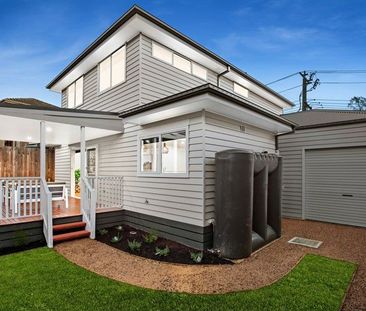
<point>268,39</point>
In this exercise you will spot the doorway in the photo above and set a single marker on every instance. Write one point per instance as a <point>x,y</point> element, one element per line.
<point>91,168</point>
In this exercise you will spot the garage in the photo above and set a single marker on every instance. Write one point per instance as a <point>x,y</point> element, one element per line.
<point>335,185</point>
<point>324,166</point>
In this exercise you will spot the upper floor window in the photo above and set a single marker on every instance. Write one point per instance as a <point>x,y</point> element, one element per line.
<point>241,90</point>
<point>178,61</point>
<point>75,93</point>
<point>112,70</point>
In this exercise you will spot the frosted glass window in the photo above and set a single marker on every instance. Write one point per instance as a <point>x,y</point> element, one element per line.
<point>199,71</point>
<point>105,74</point>
<point>162,53</point>
<point>79,91</point>
<point>174,152</point>
<point>149,154</point>
<point>119,66</point>
<point>71,96</point>
<point>181,63</point>
<point>241,90</point>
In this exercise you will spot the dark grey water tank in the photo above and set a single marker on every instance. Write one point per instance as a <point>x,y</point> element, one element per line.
<point>248,201</point>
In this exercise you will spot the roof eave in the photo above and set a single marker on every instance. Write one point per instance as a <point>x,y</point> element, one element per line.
<point>204,89</point>
<point>138,10</point>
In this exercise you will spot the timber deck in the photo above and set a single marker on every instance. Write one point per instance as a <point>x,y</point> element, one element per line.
<point>59,211</point>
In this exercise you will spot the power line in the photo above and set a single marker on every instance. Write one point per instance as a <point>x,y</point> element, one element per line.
<point>291,88</point>
<point>284,78</point>
<point>344,82</point>
<point>340,71</point>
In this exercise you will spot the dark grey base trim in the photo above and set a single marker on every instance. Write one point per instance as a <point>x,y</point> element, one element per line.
<point>190,235</point>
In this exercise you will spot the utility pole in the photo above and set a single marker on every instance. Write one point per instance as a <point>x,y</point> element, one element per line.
<point>304,97</point>
<point>307,78</point>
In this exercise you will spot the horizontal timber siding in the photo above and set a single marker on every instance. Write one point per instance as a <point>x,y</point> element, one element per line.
<point>220,134</point>
<point>118,98</point>
<point>63,165</point>
<point>178,199</point>
<point>159,79</point>
<point>291,147</point>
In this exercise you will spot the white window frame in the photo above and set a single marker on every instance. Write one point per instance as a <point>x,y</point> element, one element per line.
<point>171,62</point>
<point>82,93</point>
<point>111,70</point>
<point>159,173</point>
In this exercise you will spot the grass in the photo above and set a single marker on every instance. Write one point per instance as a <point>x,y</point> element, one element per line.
<point>41,279</point>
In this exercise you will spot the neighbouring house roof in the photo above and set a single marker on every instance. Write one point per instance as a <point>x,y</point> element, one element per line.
<point>325,117</point>
<point>28,103</point>
<point>137,10</point>
<point>206,89</point>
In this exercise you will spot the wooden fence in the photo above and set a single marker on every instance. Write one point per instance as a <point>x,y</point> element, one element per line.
<point>20,160</point>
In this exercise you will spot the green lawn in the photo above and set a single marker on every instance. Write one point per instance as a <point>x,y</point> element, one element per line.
<point>41,279</point>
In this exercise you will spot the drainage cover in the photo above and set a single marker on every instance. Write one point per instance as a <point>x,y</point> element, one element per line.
<point>305,242</point>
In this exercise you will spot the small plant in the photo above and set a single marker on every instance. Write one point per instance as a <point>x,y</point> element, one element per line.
<point>116,238</point>
<point>103,231</point>
<point>119,228</point>
<point>197,257</point>
<point>134,245</point>
<point>77,176</point>
<point>150,237</point>
<point>162,252</point>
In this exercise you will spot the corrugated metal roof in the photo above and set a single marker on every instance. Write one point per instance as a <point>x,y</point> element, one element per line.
<point>325,117</point>
<point>28,102</point>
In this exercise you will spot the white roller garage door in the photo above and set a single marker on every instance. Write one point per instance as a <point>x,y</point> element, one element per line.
<point>335,185</point>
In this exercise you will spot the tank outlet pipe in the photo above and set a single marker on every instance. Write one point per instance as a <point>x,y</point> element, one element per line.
<point>228,69</point>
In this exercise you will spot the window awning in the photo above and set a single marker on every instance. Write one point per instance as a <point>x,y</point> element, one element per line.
<point>62,125</point>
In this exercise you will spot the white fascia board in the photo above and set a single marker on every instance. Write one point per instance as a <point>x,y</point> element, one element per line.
<point>211,104</point>
<point>138,24</point>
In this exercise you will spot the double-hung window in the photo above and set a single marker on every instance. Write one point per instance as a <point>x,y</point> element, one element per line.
<point>165,153</point>
<point>75,93</point>
<point>112,70</point>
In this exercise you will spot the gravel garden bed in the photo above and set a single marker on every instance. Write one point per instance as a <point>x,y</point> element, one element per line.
<point>150,245</point>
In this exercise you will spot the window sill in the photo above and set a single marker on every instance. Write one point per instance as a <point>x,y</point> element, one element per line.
<point>111,88</point>
<point>163,175</point>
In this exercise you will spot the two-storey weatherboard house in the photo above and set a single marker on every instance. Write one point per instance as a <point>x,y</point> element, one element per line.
<point>178,105</point>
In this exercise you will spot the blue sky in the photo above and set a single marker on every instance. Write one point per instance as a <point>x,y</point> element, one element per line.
<point>268,39</point>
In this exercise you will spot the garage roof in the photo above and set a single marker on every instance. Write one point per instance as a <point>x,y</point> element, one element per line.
<point>325,117</point>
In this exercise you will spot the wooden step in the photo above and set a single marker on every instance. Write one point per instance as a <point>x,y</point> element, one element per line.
<point>69,226</point>
<point>71,236</point>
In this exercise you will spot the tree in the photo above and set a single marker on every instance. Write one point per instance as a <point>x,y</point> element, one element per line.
<point>357,103</point>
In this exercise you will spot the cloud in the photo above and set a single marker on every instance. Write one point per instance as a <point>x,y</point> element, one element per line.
<point>267,39</point>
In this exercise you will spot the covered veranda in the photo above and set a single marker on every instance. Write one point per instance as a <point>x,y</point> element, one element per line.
<point>25,199</point>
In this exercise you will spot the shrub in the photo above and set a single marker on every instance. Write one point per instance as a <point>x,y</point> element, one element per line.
<point>162,252</point>
<point>150,237</point>
<point>103,231</point>
<point>197,257</point>
<point>134,245</point>
<point>116,238</point>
